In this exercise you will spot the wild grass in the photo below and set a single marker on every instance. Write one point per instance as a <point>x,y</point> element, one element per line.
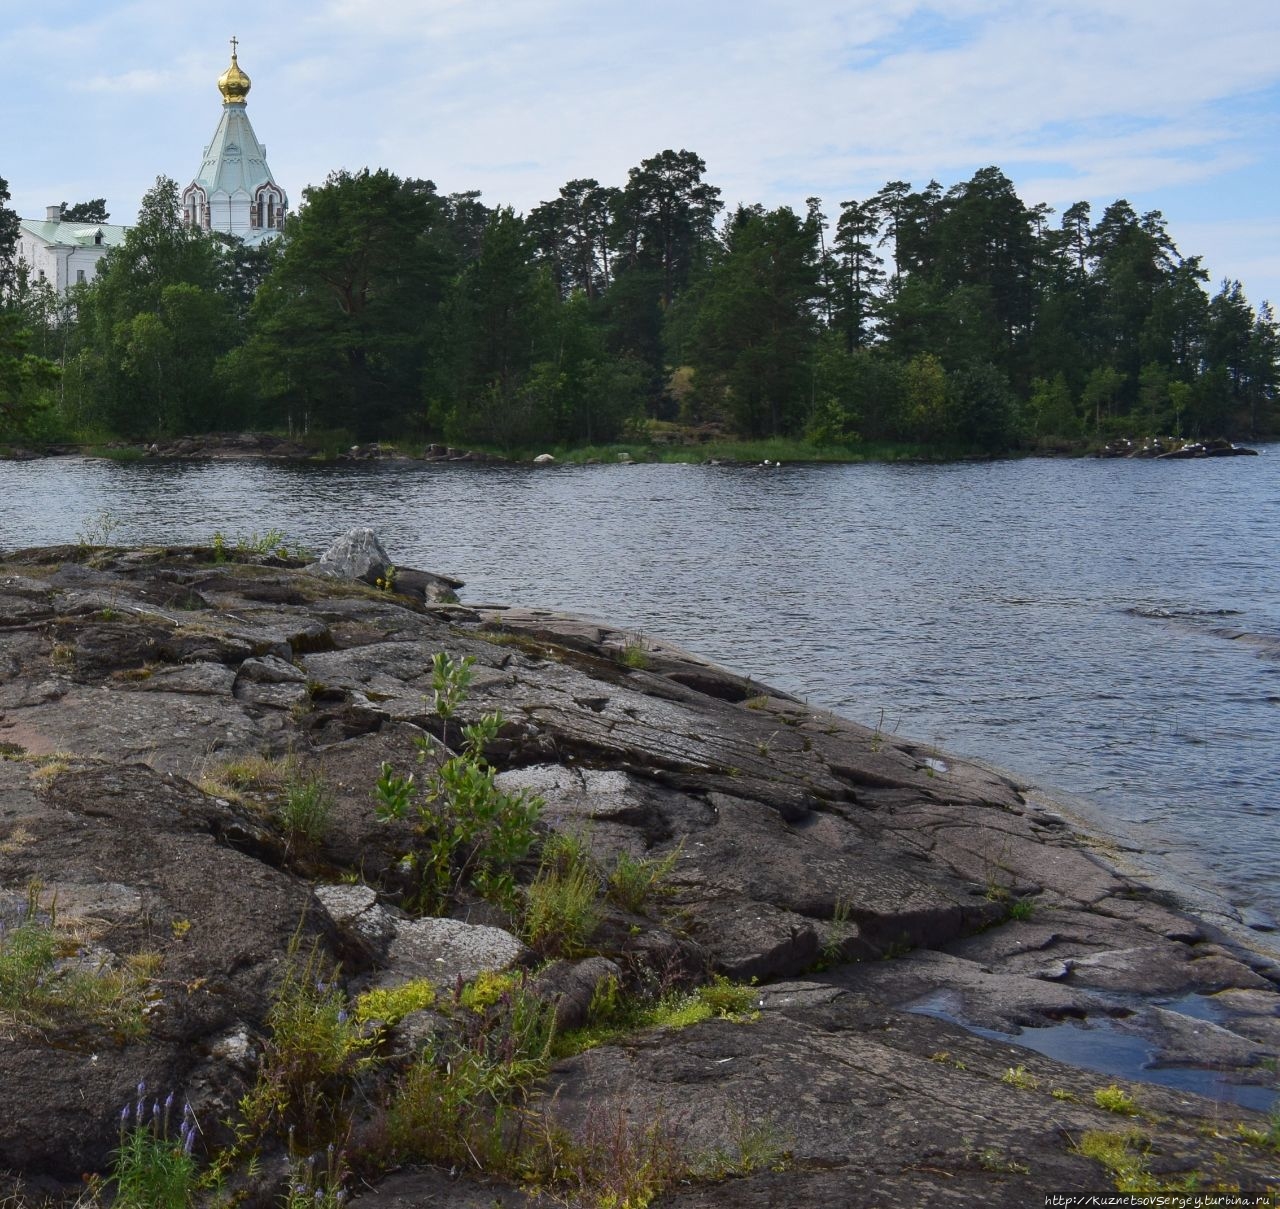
<point>562,906</point>
<point>304,809</point>
<point>615,1015</point>
<point>314,1052</point>
<point>634,654</point>
<point>43,987</point>
<point>634,881</point>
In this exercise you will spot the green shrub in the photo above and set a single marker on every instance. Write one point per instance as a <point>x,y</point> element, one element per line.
<point>152,1170</point>
<point>562,909</point>
<point>633,881</point>
<point>470,832</point>
<point>1115,1099</point>
<point>304,809</point>
<point>315,1050</point>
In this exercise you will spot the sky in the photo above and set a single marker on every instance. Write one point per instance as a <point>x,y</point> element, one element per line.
<point>1172,104</point>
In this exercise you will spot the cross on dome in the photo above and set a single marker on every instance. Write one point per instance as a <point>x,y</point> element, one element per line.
<point>233,83</point>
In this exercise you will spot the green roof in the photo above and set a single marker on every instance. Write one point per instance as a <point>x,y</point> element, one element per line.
<point>75,234</point>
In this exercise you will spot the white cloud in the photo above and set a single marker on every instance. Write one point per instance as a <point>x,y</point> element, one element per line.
<point>1072,98</point>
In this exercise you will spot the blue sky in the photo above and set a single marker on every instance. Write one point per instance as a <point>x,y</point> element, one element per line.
<point>1163,102</point>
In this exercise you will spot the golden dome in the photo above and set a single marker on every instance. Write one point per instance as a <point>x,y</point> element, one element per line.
<point>233,83</point>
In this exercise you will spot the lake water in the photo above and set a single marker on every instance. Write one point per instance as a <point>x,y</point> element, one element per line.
<point>1109,629</point>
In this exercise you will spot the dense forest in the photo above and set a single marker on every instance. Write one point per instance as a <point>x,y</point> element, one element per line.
<point>957,317</point>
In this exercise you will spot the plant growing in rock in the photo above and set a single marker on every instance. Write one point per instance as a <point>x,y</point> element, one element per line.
<point>42,987</point>
<point>455,1103</point>
<point>562,906</point>
<point>317,1185</point>
<point>634,653</point>
<point>304,809</point>
<point>471,832</point>
<point>633,881</point>
<point>1116,1099</point>
<point>316,1049</point>
<point>152,1169</point>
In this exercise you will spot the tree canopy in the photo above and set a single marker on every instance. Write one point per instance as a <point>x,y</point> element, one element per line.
<point>957,316</point>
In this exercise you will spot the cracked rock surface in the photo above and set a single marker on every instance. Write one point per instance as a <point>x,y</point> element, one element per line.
<point>913,922</point>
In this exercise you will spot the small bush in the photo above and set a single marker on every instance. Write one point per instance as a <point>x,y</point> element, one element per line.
<point>562,906</point>
<point>304,809</point>
<point>1115,1099</point>
<point>471,833</point>
<point>315,1050</point>
<point>634,881</point>
<point>151,1169</point>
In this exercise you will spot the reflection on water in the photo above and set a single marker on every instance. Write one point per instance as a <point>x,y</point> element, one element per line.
<point>1111,629</point>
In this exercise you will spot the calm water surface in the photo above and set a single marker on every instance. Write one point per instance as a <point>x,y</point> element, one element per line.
<point>1108,629</point>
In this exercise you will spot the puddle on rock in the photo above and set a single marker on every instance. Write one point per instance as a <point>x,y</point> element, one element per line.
<point>1101,1047</point>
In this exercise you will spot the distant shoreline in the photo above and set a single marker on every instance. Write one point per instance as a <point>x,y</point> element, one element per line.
<point>764,453</point>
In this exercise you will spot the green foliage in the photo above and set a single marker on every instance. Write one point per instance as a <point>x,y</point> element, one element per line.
<point>955,318</point>
<point>25,379</point>
<point>453,1104</point>
<point>1117,1100</point>
<point>304,809</point>
<point>1124,1155</point>
<point>450,680</point>
<point>471,833</point>
<point>562,905</point>
<point>1267,1137</point>
<point>839,933</point>
<point>634,881</point>
<point>43,987</point>
<point>391,1005</point>
<point>754,1145</point>
<point>634,655</point>
<point>152,1171</point>
<point>614,1014</point>
<point>315,1050</point>
<point>756,326</point>
<point>1019,1076</point>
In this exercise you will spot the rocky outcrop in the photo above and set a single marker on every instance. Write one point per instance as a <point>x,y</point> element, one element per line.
<point>1175,448</point>
<point>913,926</point>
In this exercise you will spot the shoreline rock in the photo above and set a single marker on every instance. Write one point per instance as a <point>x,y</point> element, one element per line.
<point>910,919</point>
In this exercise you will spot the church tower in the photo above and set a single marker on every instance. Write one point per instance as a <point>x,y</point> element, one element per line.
<point>234,190</point>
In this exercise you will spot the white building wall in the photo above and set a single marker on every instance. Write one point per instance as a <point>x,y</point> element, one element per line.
<point>60,264</point>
